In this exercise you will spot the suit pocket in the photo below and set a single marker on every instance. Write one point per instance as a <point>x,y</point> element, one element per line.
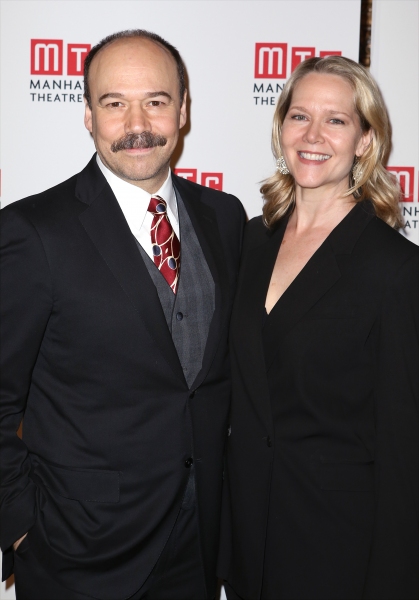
<point>346,475</point>
<point>85,485</point>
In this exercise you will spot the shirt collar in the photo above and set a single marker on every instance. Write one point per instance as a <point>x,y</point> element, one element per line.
<point>127,193</point>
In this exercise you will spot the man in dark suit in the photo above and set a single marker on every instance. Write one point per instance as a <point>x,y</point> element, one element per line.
<point>117,290</point>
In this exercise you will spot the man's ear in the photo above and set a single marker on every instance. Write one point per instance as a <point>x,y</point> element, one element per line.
<point>88,119</point>
<point>183,112</point>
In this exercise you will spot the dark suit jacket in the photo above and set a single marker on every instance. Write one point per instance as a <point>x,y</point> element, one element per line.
<point>89,363</point>
<point>321,494</point>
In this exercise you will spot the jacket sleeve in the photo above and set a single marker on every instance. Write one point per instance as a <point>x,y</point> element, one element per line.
<point>26,302</point>
<point>393,567</point>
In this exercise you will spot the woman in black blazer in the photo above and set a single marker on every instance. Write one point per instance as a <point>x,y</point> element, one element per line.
<point>321,477</point>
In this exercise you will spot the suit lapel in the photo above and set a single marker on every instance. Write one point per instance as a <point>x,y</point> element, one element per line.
<point>317,277</point>
<point>249,314</point>
<point>256,346</point>
<point>204,221</point>
<point>106,226</point>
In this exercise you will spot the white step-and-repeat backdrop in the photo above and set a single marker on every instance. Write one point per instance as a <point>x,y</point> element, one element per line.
<point>395,65</point>
<point>238,55</point>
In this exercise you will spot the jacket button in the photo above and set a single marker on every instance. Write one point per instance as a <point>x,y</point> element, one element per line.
<point>189,462</point>
<point>268,442</point>
<point>179,316</point>
<point>192,395</point>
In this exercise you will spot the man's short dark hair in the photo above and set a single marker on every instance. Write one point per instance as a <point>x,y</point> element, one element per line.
<point>133,33</point>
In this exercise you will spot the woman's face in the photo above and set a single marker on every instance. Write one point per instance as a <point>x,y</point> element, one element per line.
<point>321,133</point>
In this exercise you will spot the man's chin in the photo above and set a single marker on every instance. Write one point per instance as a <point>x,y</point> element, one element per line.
<point>136,176</point>
<point>132,177</point>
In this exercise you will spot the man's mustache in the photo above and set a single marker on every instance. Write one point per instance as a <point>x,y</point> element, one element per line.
<point>145,139</point>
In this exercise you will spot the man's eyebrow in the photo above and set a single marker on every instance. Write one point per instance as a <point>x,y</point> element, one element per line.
<point>148,95</point>
<point>111,95</point>
<point>155,94</point>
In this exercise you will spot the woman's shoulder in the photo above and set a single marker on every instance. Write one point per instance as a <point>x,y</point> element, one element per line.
<point>257,230</point>
<point>387,253</point>
<point>390,241</point>
<point>256,226</point>
<point>255,233</point>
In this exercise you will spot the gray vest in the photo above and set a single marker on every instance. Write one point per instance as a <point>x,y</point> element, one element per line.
<point>189,312</point>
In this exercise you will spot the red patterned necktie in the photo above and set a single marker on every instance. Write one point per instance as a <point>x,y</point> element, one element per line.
<point>166,246</point>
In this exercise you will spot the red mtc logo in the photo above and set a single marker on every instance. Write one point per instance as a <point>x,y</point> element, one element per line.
<point>271,59</point>
<point>211,180</point>
<point>47,57</point>
<point>406,179</point>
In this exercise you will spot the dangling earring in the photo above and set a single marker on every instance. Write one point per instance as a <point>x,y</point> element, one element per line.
<point>356,172</point>
<point>281,166</point>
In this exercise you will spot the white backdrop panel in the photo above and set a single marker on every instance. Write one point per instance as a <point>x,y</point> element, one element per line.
<point>395,65</point>
<point>44,141</point>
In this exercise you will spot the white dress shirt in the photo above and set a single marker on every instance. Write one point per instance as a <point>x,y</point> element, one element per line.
<point>134,202</point>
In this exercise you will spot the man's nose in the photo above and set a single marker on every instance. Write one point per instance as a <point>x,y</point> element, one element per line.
<point>136,120</point>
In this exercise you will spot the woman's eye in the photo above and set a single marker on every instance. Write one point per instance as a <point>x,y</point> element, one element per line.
<point>298,117</point>
<point>337,121</point>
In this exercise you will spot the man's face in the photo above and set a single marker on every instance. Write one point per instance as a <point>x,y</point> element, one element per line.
<point>136,111</point>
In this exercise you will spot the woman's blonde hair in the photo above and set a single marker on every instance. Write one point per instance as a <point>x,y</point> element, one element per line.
<point>369,178</point>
